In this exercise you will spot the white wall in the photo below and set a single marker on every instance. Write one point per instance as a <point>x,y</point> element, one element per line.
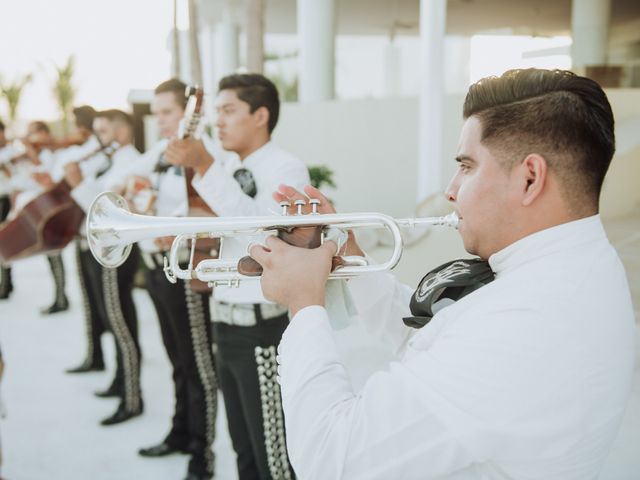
<point>371,145</point>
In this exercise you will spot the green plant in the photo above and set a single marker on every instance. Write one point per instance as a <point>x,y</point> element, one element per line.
<point>12,93</point>
<point>64,91</point>
<point>321,175</point>
<point>287,87</point>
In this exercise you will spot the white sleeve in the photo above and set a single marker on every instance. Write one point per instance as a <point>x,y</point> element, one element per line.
<point>85,192</point>
<point>144,165</point>
<point>382,302</point>
<point>389,430</point>
<point>223,194</point>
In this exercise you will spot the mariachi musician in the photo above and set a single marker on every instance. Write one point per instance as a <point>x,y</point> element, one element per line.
<point>247,328</point>
<point>108,290</point>
<point>183,313</point>
<point>6,152</point>
<point>25,170</point>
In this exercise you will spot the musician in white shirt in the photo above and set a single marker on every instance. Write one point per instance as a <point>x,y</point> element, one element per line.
<point>246,327</point>
<point>526,377</point>
<point>6,153</point>
<point>183,312</point>
<point>37,160</point>
<point>108,290</point>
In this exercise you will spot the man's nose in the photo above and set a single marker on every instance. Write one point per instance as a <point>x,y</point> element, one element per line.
<point>451,191</point>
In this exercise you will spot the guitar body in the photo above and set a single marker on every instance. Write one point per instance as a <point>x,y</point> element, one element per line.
<point>46,224</point>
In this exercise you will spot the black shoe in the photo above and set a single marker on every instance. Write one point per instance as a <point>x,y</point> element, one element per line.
<point>87,367</point>
<point>112,391</point>
<point>5,291</point>
<point>56,307</point>
<point>121,415</point>
<point>161,450</point>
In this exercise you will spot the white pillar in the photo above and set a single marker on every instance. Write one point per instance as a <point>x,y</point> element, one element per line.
<point>226,48</point>
<point>430,115</point>
<point>590,32</point>
<point>255,36</point>
<point>316,34</point>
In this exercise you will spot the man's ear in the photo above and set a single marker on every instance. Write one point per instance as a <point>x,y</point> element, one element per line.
<point>534,174</point>
<point>261,116</point>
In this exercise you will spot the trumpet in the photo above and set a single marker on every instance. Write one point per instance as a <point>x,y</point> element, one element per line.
<point>112,230</point>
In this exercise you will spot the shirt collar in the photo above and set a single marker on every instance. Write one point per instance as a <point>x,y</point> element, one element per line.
<point>546,242</point>
<point>254,157</point>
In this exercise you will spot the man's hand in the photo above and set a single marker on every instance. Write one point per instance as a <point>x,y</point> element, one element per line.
<point>290,194</point>
<point>293,276</point>
<point>189,152</point>
<point>164,243</point>
<point>73,174</point>
<point>43,179</point>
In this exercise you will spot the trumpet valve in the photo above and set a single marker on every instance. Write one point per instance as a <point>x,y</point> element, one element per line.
<point>315,203</point>
<point>299,204</point>
<point>285,207</point>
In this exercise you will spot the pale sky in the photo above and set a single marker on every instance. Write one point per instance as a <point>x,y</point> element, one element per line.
<point>118,45</point>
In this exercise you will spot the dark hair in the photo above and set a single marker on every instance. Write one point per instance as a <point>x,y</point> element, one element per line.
<point>40,126</point>
<point>256,90</point>
<point>177,87</point>
<point>2,127</point>
<point>116,115</point>
<point>84,116</point>
<point>563,117</point>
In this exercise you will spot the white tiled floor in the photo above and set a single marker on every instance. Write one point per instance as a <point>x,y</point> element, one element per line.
<point>51,430</point>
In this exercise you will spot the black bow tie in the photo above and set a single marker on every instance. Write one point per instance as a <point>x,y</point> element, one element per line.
<point>247,183</point>
<point>452,280</point>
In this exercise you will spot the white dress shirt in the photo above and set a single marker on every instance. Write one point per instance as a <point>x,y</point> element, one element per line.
<point>77,153</point>
<point>170,188</point>
<point>91,186</point>
<point>6,153</point>
<point>270,166</point>
<point>525,378</point>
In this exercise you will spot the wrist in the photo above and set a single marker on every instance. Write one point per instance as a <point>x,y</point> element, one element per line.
<point>204,165</point>
<point>306,301</point>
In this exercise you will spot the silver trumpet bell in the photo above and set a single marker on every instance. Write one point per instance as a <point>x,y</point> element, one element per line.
<point>112,229</point>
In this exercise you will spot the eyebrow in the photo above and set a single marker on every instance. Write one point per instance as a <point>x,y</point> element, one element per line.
<point>462,158</point>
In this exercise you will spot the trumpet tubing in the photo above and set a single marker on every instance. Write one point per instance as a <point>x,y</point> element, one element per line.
<point>112,230</point>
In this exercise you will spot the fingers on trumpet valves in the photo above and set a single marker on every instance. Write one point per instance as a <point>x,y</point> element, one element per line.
<point>300,206</point>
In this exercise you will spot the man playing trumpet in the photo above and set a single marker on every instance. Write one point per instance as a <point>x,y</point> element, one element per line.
<point>524,377</point>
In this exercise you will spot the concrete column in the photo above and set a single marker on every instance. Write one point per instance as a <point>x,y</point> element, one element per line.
<point>226,48</point>
<point>430,115</point>
<point>316,34</point>
<point>255,36</point>
<point>590,31</point>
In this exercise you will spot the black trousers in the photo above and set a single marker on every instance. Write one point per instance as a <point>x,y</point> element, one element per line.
<point>5,272</point>
<point>247,376</point>
<point>89,273</point>
<point>59,277</point>
<point>185,324</point>
<point>111,307</point>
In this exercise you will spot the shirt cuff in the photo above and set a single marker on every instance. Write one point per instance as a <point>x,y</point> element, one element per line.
<point>84,194</point>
